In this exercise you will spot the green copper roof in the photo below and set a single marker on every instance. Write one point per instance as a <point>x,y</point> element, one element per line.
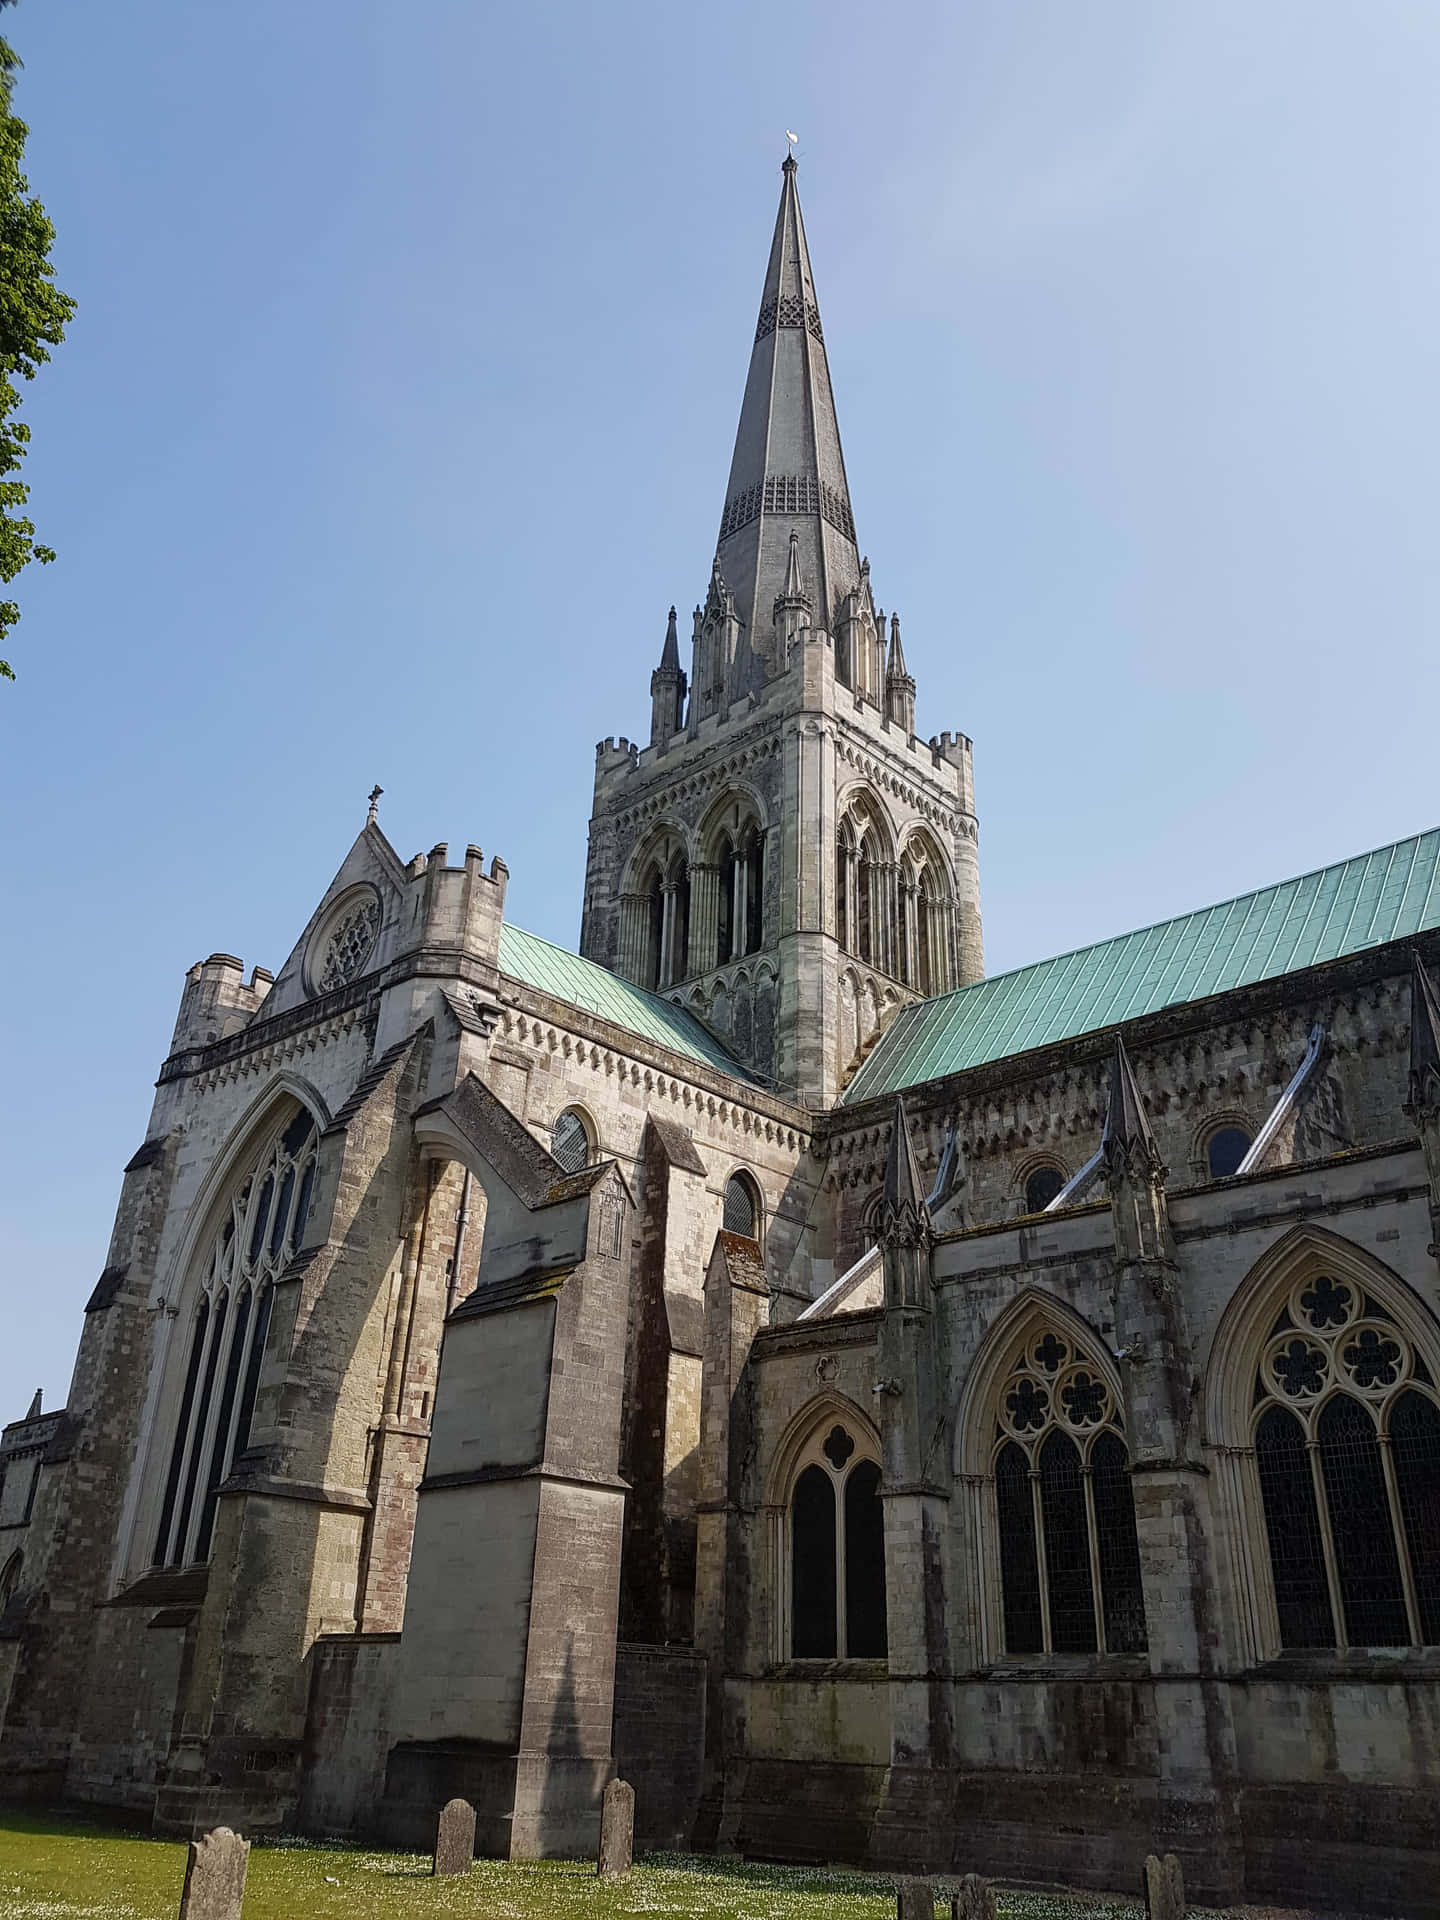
<point>550,969</point>
<point>1380,896</point>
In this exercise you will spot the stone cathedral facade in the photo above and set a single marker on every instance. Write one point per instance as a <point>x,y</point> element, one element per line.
<point>889,1414</point>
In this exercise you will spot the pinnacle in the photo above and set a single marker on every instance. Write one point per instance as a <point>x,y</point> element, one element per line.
<point>902,1190</point>
<point>1127,1131</point>
<point>670,656</point>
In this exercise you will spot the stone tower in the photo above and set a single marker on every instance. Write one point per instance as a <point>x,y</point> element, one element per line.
<point>785,857</point>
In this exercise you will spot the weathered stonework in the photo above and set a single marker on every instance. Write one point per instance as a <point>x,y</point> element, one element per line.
<point>436,1431</point>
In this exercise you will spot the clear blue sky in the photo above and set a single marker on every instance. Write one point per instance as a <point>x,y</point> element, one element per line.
<point>399,404</point>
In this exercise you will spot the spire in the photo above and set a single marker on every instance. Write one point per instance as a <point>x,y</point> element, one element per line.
<point>667,689</point>
<point>787,473</point>
<point>1127,1143</point>
<point>1424,1040</point>
<point>896,669</point>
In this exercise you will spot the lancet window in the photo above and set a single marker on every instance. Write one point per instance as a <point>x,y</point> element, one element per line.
<point>664,920</point>
<point>865,903</point>
<point>1069,1556</point>
<point>258,1228</point>
<point>1346,1424</point>
<point>924,919</point>
<point>740,897</point>
<point>836,1559</point>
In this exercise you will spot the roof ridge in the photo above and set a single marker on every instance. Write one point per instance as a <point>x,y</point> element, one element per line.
<point>1366,900</point>
<point>1174,919</point>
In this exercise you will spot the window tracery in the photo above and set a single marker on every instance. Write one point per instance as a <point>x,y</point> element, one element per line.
<point>1069,1555</point>
<point>836,1548</point>
<point>258,1228</point>
<point>1347,1454</point>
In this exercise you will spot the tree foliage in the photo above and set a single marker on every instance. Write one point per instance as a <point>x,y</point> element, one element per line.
<point>33,313</point>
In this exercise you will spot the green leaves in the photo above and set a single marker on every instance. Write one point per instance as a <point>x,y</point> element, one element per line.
<point>33,316</point>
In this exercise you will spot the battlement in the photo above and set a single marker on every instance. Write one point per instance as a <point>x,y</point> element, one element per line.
<point>217,1001</point>
<point>954,747</point>
<point>611,753</point>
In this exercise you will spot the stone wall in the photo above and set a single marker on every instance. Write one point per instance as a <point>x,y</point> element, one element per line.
<point>659,1739</point>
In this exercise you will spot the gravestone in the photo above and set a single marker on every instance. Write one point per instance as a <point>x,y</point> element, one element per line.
<point>455,1838</point>
<point>215,1877</point>
<point>914,1900</point>
<point>1164,1886</point>
<point>974,1901</point>
<point>617,1830</point>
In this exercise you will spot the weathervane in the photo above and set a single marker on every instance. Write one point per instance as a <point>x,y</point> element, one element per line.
<point>793,138</point>
<point>375,793</point>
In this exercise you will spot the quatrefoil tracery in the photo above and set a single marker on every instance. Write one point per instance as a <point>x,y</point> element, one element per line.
<point>1051,1385</point>
<point>1330,1337</point>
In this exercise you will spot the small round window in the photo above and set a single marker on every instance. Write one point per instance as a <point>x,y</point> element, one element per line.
<point>1224,1151</point>
<point>1042,1187</point>
<point>742,1210</point>
<point>570,1142</point>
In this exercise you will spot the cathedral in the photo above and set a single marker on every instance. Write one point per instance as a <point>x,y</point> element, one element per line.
<point>886,1413</point>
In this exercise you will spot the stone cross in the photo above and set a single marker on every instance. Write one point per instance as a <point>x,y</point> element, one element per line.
<point>617,1830</point>
<point>1164,1888</point>
<point>914,1900</point>
<point>215,1876</point>
<point>455,1838</point>
<point>974,1901</point>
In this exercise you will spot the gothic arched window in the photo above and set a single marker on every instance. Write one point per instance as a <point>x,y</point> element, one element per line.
<point>1069,1556</point>
<point>1347,1453</point>
<point>742,1207</point>
<point>10,1579</point>
<point>837,1549</point>
<point>259,1226</point>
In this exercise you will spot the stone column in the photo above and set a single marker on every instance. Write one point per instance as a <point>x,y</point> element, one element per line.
<point>634,933</point>
<point>669,927</point>
<point>739,899</point>
<point>737,1306</point>
<point>704,917</point>
<point>912,1826</point>
<point>1196,1805</point>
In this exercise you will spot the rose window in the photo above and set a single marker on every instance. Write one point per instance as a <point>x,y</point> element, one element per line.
<point>350,945</point>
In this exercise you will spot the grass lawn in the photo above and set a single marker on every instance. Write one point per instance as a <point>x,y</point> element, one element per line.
<point>55,1867</point>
